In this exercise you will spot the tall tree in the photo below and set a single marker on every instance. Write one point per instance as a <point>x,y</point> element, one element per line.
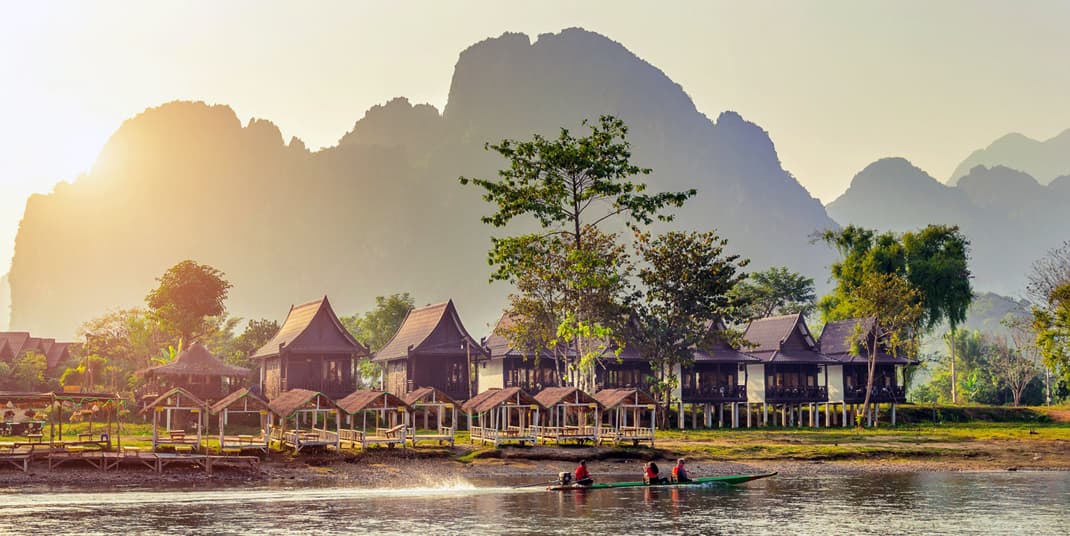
<point>1052,325</point>
<point>937,259</point>
<point>570,186</point>
<point>896,309</point>
<point>189,293</point>
<point>776,291</point>
<point>257,333</point>
<point>376,327</point>
<point>1045,277</point>
<point>1013,365</point>
<point>686,279</point>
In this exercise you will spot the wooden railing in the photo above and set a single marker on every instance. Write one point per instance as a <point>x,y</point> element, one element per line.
<point>727,393</point>
<point>881,393</point>
<point>796,394</point>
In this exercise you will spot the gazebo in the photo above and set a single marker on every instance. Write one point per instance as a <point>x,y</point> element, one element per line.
<point>571,415</point>
<point>242,403</point>
<point>310,414</point>
<point>196,371</point>
<point>502,415</point>
<point>189,409</point>
<point>389,419</point>
<point>623,419</point>
<point>428,401</point>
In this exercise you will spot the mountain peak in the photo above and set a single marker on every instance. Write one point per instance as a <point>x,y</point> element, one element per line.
<point>1043,160</point>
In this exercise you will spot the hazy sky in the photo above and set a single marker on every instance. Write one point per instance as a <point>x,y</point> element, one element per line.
<point>837,84</point>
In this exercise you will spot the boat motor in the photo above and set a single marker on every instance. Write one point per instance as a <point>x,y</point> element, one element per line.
<point>564,477</point>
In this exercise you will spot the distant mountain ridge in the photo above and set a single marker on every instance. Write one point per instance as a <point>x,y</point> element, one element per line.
<point>382,211</point>
<point>1010,218</point>
<point>1044,160</point>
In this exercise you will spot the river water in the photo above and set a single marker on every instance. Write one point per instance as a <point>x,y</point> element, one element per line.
<point>1026,503</point>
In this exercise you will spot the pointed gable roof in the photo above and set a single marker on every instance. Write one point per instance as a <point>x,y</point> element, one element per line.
<point>57,353</point>
<point>499,346</point>
<point>15,341</point>
<point>362,400</point>
<point>182,398</point>
<point>431,329</point>
<point>611,398</point>
<point>835,342</point>
<point>287,404</point>
<point>717,350</point>
<point>243,394</point>
<point>314,328</point>
<point>492,398</point>
<point>783,339</point>
<point>197,360</point>
<point>427,395</point>
<point>552,396</point>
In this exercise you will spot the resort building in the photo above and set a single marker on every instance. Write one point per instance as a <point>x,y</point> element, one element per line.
<point>196,371</point>
<point>311,351</point>
<point>505,366</point>
<point>715,384</point>
<point>430,349</point>
<point>14,344</point>
<point>791,375</point>
<point>628,370</point>
<point>847,379</point>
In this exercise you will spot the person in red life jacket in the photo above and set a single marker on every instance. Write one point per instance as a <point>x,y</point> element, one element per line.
<point>679,474</point>
<point>583,477</point>
<point>651,474</point>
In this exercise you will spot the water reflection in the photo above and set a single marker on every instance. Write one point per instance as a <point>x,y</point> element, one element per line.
<point>923,503</point>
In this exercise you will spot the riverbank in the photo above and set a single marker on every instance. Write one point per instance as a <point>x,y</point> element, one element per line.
<point>967,447</point>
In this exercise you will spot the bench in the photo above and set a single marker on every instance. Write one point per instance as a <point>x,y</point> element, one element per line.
<point>184,449</point>
<point>131,451</point>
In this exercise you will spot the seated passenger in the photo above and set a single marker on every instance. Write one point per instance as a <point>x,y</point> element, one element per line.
<point>583,477</point>
<point>679,474</point>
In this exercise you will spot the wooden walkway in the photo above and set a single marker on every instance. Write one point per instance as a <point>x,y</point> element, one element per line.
<point>109,461</point>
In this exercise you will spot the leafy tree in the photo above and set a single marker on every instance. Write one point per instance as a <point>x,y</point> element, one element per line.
<point>257,333</point>
<point>686,282</point>
<point>1052,325</point>
<point>895,306</point>
<point>1013,366</point>
<point>569,186</point>
<point>776,291</point>
<point>376,327</point>
<point>937,259</point>
<point>25,373</point>
<point>187,295</point>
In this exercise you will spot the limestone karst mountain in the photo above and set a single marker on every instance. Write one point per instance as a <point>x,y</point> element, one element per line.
<point>1044,160</point>
<point>1010,218</point>
<point>382,211</point>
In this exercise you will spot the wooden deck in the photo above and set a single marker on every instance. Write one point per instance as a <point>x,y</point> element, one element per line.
<point>512,434</point>
<point>381,436</point>
<point>561,434</point>
<point>441,435</point>
<point>625,434</point>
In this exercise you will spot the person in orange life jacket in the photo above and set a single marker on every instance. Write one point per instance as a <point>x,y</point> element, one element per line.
<point>651,474</point>
<point>679,474</point>
<point>583,477</point>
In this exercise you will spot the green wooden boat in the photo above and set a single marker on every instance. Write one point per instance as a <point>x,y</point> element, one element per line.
<point>702,481</point>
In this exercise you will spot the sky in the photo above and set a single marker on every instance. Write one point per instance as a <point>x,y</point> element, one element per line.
<point>838,84</point>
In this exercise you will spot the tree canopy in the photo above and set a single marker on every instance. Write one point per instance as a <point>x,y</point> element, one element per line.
<point>776,291</point>
<point>188,293</point>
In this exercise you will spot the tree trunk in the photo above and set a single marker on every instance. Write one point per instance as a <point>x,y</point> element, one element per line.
<point>954,378</point>
<point>872,371</point>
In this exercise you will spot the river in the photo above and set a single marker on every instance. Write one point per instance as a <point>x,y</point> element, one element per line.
<point>1027,503</point>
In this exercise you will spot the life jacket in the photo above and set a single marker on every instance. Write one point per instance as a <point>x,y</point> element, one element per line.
<point>652,471</point>
<point>679,472</point>
<point>582,473</point>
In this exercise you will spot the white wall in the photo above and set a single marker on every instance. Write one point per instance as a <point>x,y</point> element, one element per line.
<point>756,383</point>
<point>835,375</point>
<point>489,374</point>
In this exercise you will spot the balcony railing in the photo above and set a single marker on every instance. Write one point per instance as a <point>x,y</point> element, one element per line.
<point>719,393</point>
<point>881,393</point>
<point>796,394</point>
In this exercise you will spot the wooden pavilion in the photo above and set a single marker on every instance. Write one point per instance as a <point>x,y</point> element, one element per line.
<point>503,365</point>
<point>847,379</point>
<point>430,349</point>
<point>304,420</point>
<point>311,351</point>
<point>570,415</point>
<point>177,407</point>
<point>427,402</point>
<point>243,404</point>
<point>629,415</point>
<point>505,415</point>
<point>389,419</point>
<point>792,374</point>
<point>196,371</point>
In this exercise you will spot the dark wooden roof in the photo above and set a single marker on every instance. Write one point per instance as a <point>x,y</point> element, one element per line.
<point>12,343</point>
<point>783,339</point>
<point>492,398</point>
<point>290,401</point>
<point>197,360</point>
<point>238,396</point>
<point>179,392</point>
<point>434,329</point>
<point>611,398</point>
<point>15,343</point>
<point>427,394</point>
<point>835,342</point>
<point>57,354</point>
<point>312,327</point>
<point>552,396</point>
<point>498,346</point>
<point>362,400</point>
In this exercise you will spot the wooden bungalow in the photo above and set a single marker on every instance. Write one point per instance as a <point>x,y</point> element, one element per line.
<point>383,419</point>
<point>505,366</point>
<point>311,351</point>
<point>196,371</point>
<point>14,344</point>
<point>628,415</point>
<point>715,383</point>
<point>792,374</point>
<point>430,349</point>
<point>243,404</point>
<point>304,420</point>
<point>183,416</point>
<point>500,416</point>
<point>628,370</point>
<point>848,378</point>
<point>428,403</point>
<point>570,415</point>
